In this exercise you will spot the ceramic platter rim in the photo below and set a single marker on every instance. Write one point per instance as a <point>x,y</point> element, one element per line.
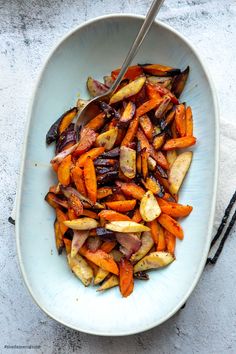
<point>213,200</point>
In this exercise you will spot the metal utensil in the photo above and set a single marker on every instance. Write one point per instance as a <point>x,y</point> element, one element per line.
<point>93,107</point>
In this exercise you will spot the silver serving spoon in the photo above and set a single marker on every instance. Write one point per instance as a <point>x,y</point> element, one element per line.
<point>93,107</point>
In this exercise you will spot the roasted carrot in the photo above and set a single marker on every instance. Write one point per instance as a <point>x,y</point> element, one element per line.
<point>89,213</point>
<point>112,215</point>
<point>144,159</point>
<point>55,201</point>
<point>97,122</point>
<point>78,179</point>
<point>55,166</point>
<point>93,153</point>
<point>131,132</point>
<point>170,241</point>
<point>147,126</point>
<point>137,216</point>
<point>162,202</point>
<point>87,138</point>
<point>71,214</point>
<point>67,245</point>
<point>108,246</point>
<point>126,277</point>
<point>132,73</point>
<point>179,143</point>
<point>176,210</point>
<point>180,119</point>
<point>122,206</point>
<point>66,119</point>
<point>161,246</point>
<point>90,179</point>
<point>163,91</point>
<point>171,225</point>
<point>58,237</point>
<point>104,192</point>
<point>75,203</point>
<point>154,230</point>
<point>63,172</point>
<point>101,259</point>
<point>61,217</point>
<point>174,130</point>
<point>139,164</point>
<point>152,92</point>
<point>132,190</point>
<point>189,122</point>
<point>148,106</point>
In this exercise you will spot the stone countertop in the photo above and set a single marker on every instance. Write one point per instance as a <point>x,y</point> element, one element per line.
<point>28,31</point>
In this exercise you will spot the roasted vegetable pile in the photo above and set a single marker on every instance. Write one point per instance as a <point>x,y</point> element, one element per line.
<point>116,201</point>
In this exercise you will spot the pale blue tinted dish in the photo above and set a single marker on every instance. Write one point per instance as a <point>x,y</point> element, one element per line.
<point>96,48</point>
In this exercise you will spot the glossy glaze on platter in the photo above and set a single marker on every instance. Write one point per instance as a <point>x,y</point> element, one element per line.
<point>57,291</point>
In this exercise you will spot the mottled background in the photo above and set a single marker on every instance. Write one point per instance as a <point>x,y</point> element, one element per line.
<point>28,30</point>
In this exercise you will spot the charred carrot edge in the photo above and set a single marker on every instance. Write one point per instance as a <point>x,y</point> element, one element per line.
<point>137,216</point>
<point>123,205</point>
<point>126,277</point>
<point>63,172</point>
<point>116,197</point>
<point>67,245</point>
<point>97,122</point>
<point>66,119</point>
<point>171,225</point>
<point>112,215</point>
<point>71,214</point>
<point>90,179</point>
<point>75,203</point>
<point>139,164</point>
<point>108,246</point>
<point>78,179</point>
<point>131,132</point>
<point>152,92</point>
<point>93,153</point>
<point>179,143</point>
<point>170,242</point>
<point>144,159</point>
<point>189,121</point>
<point>180,119</point>
<point>58,237</point>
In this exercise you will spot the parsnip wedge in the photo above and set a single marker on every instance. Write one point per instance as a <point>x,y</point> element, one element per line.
<point>147,243</point>
<point>149,207</point>
<point>81,224</point>
<point>128,90</point>
<point>80,268</point>
<point>100,276</point>
<point>126,226</point>
<point>154,260</point>
<point>128,161</point>
<point>107,139</point>
<point>178,171</point>
<point>109,283</point>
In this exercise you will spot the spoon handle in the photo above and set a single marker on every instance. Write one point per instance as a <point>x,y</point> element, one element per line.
<point>154,9</point>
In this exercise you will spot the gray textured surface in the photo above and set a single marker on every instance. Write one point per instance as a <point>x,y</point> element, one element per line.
<point>28,31</point>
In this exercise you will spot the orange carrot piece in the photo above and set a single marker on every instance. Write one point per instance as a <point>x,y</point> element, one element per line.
<point>168,197</point>
<point>71,214</point>
<point>89,213</point>
<point>179,143</point>
<point>63,172</point>
<point>174,130</point>
<point>53,189</point>
<point>147,126</point>
<point>162,202</point>
<point>137,216</point>
<point>58,237</point>
<point>148,106</point>
<point>104,192</point>
<point>189,121</point>
<point>152,92</point>
<point>101,259</point>
<point>161,246</point>
<point>90,179</point>
<point>61,217</point>
<point>132,73</point>
<point>131,132</point>
<point>97,122</point>
<point>123,206</point>
<point>139,164</point>
<point>170,241</point>
<point>117,197</point>
<point>67,245</point>
<point>180,119</point>
<point>66,119</point>
<point>93,153</point>
<point>108,246</point>
<point>93,266</point>
<point>112,215</point>
<point>154,230</point>
<point>78,178</point>
<point>55,166</point>
<point>75,203</point>
<point>126,277</point>
<point>171,225</point>
<point>132,190</point>
<point>144,159</point>
<point>176,210</point>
